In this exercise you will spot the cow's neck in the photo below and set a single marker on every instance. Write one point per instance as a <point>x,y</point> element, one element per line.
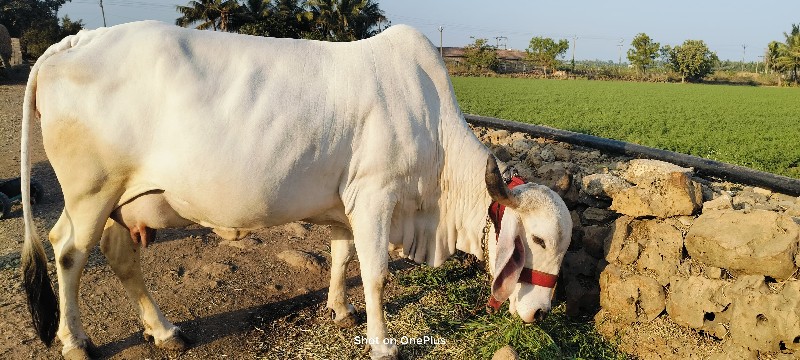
<point>465,200</point>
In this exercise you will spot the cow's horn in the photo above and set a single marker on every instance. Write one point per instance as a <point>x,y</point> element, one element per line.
<point>496,186</point>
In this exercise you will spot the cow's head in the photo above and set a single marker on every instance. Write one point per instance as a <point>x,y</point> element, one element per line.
<point>535,233</point>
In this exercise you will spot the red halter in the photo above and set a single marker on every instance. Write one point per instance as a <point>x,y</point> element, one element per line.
<point>530,276</point>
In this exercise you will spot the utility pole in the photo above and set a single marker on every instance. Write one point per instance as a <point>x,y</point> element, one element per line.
<point>574,40</point>
<point>619,48</point>
<point>744,51</point>
<point>441,49</point>
<point>103,12</point>
<point>497,42</point>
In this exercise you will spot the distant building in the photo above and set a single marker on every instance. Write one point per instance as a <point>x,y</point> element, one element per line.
<point>511,61</point>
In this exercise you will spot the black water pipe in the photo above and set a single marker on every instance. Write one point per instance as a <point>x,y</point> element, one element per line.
<point>703,167</point>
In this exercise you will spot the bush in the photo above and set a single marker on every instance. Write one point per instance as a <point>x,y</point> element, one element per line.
<point>36,39</point>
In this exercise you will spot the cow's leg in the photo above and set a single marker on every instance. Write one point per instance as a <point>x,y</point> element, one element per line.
<point>123,256</point>
<point>342,250</point>
<point>371,223</point>
<point>76,232</point>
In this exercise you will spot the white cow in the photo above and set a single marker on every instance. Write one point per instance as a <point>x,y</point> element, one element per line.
<point>151,126</point>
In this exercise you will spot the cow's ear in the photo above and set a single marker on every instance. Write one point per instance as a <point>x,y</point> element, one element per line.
<point>496,186</point>
<point>509,258</point>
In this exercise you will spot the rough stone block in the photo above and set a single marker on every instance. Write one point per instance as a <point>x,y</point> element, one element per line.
<point>663,197</point>
<point>663,248</point>
<point>603,185</point>
<point>765,321</point>
<point>699,303</point>
<point>637,298</point>
<point>759,242</point>
<point>618,246</point>
<point>642,171</point>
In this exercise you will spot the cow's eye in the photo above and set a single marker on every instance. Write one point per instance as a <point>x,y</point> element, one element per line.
<point>539,242</point>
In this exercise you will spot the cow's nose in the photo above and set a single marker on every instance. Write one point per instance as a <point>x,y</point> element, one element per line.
<point>540,315</point>
<point>533,317</point>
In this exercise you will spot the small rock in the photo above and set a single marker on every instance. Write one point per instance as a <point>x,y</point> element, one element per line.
<point>724,201</point>
<point>593,238</point>
<point>708,192</point>
<point>762,191</point>
<point>521,145</point>
<point>557,176</point>
<point>497,135</point>
<point>579,263</point>
<point>596,215</point>
<point>547,154</point>
<point>592,201</point>
<point>505,353</point>
<point>747,199</point>
<point>295,229</point>
<point>303,260</point>
<point>562,154</point>
<point>533,159</point>
<point>713,272</point>
<point>502,153</point>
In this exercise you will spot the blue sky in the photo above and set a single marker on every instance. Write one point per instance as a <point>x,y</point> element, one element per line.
<point>598,25</point>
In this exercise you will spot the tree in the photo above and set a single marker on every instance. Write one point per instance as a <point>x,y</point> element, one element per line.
<point>692,60</point>
<point>481,55</point>
<point>36,23</point>
<point>789,53</point>
<point>69,27</point>
<point>772,57</point>
<point>344,20</point>
<point>214,14</point>
<point>38,38</point>
<point>644,52</point>
<point>545,51</point>
<point>21,15</point>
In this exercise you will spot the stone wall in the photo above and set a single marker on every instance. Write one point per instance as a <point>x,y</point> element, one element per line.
<point>5,47</point>
<point>654,242</point>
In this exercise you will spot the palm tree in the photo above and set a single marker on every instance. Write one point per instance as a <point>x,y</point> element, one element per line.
<point>367,22</point>
<point>789,57</point>
<point>345,20</point>
<point>292,17</point>
<point>214,14</point>
<point>772,58</point>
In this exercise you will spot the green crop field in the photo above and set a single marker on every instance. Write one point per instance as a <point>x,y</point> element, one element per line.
<point>757,127</point>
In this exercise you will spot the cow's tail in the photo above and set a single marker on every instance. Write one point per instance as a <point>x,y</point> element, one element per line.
<point>42,301</point>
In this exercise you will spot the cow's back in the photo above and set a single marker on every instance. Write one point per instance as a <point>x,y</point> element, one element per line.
<point>263,128</point>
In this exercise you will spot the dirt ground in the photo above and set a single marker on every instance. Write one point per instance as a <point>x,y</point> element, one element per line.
<point>221,295</point>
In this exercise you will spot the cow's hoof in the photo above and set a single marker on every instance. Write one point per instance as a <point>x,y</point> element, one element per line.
<point>178,342</point>
<point>382,353</point>
<point>345,320</point>
<point>77,354</point>
<point>84,351</point>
